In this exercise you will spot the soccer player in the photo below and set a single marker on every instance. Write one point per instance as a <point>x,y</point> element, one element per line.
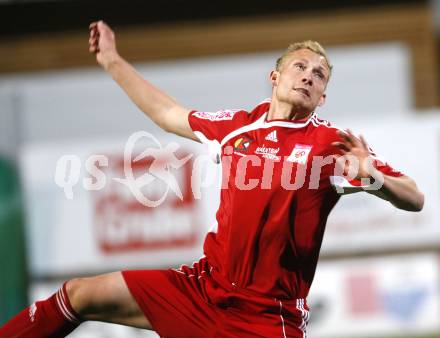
<point>280,182</point>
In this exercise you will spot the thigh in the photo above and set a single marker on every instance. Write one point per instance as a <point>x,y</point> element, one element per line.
<point>174,302</point>
<point>106,298</point>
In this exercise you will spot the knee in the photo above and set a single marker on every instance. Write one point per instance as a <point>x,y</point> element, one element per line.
<point>94,295</point>
<point>80,294</point>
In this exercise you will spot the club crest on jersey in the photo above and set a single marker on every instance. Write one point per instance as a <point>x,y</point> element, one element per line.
<point>272,136</point>
<point>300,153</point>
<point>242,144</point>
<point>217,116</point>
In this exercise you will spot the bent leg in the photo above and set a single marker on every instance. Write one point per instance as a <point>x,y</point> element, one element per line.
<point>106,298</point>
<point>174,301</point>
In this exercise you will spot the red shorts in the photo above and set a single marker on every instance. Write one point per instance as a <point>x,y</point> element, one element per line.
<point>198,302</point>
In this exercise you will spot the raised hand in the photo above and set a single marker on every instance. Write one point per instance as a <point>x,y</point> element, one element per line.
<point>351,145</point>
<point>102,43</point>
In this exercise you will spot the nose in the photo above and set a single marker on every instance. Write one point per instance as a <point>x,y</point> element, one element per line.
<point>307,79</point>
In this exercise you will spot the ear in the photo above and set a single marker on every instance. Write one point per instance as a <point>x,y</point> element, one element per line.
<point>322,100</point>
<point>273,77</point>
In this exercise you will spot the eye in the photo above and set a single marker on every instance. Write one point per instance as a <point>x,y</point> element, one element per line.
<point>300,66</point>
<point>319,75</point>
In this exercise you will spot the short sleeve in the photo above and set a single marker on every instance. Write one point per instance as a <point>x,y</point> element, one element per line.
<point>212,127</point>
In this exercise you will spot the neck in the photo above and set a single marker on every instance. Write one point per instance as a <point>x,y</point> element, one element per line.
<point>286,111</point>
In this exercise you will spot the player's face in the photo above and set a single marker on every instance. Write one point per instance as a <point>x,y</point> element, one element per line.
<point>301,80</point>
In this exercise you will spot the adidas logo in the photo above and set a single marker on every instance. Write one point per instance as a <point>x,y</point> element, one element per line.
<point>272,136</point>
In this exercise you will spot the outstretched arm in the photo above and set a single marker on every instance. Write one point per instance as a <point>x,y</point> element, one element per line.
<point>157,105</point>
<point>402,191</point>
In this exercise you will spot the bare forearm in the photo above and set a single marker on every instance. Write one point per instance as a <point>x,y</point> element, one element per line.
<point>158,106</point>
<point>402,192</point>
<point>151,100</point>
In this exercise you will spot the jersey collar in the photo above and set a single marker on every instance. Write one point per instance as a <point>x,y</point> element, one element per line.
<point>288,123</point>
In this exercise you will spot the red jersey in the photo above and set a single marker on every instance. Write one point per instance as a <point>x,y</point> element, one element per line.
<point>274,200</point>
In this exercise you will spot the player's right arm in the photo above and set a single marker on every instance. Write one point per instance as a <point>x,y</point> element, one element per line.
<point>157,105</point>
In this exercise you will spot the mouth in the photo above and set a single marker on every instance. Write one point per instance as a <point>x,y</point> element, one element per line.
<point>303,91</point>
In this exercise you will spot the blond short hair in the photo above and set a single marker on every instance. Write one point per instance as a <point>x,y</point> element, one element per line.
<point>314,46</point>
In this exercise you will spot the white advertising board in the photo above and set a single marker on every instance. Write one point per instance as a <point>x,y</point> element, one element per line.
<point>376,297</point>
<point>133,218</point>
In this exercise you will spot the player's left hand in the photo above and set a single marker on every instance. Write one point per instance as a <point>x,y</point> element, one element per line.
<point>351,145</point>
